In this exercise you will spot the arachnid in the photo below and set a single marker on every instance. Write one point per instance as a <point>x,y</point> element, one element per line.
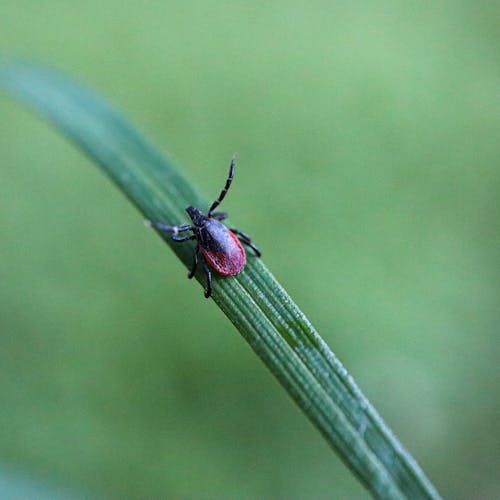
<point>219,245</point>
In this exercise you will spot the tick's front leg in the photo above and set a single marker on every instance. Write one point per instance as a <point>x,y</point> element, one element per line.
<point>173,230</point>
<point>195,262</point>
<point>168,229</point>
<point>180,239</point>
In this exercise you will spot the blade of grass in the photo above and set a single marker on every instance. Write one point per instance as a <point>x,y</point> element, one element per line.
<point>254,301</point>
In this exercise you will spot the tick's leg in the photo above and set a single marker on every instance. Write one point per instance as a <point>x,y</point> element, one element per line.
<point>195,262</point>
<point>180,239</point>
<point>229,179</point>
<point>255,249</point>
<point>245,239</point>
<point>168,229</point>
<point>206,268</point>
<point>243,235</point>
<point>219,215</point>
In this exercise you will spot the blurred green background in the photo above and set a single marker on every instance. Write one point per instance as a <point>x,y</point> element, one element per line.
<point>368,173</point>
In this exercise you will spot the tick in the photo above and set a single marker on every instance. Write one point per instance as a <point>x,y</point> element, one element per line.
<point>219,245</point>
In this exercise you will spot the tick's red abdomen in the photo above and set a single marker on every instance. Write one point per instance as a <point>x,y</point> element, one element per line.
<point>222,249</point>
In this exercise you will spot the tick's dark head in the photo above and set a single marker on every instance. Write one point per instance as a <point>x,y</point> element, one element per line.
<point>197,216</point>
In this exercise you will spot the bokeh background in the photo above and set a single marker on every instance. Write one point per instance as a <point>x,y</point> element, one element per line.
<point>368,141</point>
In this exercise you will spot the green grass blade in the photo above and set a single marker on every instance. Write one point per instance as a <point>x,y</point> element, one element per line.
<point>254,301</point>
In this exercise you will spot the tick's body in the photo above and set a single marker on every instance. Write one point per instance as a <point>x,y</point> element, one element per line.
<point>219,245</point>
<point>221,248</point>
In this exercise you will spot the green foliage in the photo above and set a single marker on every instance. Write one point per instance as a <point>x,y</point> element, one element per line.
<point>265,315</point>
<point>368,173</point>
